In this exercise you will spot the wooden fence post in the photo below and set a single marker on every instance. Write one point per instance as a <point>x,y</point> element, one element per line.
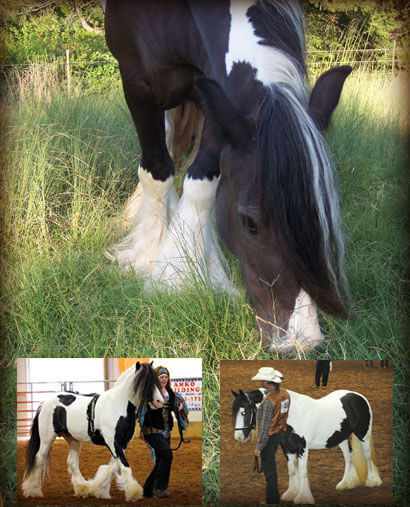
<point>68,71</point>
<point>393,58</point>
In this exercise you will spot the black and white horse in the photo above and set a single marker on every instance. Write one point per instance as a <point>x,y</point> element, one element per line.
<point>105,419</point>
<point>261,162</point>
<point>342,418</point>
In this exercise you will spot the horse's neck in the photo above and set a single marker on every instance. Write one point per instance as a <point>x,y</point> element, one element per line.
<point>254,395</point>
<point>124,386</point>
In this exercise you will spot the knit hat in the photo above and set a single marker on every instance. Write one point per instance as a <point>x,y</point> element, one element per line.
<point>269,375</point>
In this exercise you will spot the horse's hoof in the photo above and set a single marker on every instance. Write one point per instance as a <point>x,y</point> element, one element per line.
<point>33,494</point>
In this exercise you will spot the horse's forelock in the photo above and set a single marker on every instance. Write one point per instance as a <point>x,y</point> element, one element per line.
<point>145,381</point>
<point>296,189</point>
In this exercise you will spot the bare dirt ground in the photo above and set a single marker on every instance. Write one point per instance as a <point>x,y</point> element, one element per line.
<point>185,485</point>
<point>239,484</point>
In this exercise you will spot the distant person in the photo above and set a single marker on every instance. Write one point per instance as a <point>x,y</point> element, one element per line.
<point>156,428</point>
<point>384,362</point>
<point>323,368</point>
<point>271,423</point>
<point>369,361</point>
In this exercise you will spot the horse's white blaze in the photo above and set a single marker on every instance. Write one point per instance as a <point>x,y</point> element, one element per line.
<point>240,423</point>
<point>139,249</point>
<point>271,64</point>
<point>303,323</point>
<point>190,248</point>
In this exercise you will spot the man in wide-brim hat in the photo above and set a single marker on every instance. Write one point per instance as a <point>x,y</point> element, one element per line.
<point>271,422</point>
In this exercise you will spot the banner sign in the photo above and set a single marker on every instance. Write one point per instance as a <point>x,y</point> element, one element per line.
<point>190,389</point>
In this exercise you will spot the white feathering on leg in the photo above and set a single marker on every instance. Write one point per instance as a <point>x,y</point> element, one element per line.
<point>139,249</point>
<point>190,250</point>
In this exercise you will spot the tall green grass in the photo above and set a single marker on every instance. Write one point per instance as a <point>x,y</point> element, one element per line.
<point>71,163</point>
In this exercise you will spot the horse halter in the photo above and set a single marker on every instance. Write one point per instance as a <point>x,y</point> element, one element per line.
<point>252,422</point>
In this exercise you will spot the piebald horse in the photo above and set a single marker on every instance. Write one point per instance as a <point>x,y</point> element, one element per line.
<point>261,160</point>
<point>105,419</point>
<point>342,418</point>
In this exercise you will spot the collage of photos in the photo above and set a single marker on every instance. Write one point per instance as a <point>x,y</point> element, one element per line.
<point>203,253</point>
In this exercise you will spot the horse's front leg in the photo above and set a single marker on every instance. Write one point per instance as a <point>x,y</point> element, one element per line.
<point>139,249</point>
<point>290,494</point>
<point>304,495</point>
<point>190,250</point>
<point>125,480</point>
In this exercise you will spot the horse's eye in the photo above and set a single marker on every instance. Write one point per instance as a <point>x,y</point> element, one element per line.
<point>243,412</point>
<point>248,222</point>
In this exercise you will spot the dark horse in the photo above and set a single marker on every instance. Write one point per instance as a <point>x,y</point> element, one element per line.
<point>261,159</point>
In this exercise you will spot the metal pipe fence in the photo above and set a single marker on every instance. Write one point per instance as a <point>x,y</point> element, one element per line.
<point>190,388</point>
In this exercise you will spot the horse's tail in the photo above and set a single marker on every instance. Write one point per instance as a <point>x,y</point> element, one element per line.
<point>33,445</point>
<point>359,459</point>
<point>184,133</point>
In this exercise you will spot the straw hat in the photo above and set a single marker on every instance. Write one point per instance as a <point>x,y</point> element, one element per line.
<point>269,375</point>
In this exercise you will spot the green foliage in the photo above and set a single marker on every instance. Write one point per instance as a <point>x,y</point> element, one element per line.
<point>45,35</point>
<point>332,23</point>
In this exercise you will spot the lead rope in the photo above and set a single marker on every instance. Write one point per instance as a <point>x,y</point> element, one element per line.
<point>256,466</point>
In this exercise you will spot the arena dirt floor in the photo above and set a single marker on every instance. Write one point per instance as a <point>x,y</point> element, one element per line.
<point>239,484</point>
<point>185,485</point>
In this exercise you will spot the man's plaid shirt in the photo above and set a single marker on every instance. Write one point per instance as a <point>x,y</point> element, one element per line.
<point>264,420</point>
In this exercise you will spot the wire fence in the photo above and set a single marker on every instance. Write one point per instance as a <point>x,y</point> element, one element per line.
<point>44,78</point>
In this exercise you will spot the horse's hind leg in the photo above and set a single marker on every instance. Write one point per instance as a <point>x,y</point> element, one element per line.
<point>139,249</point>
<point>290,494</point>
<point>350,478</point>
<point>34,474</point>
<point>373,477</point>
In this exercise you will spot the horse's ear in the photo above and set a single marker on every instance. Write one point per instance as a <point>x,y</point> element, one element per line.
<point>234,127</point>
<point>235,394</point>
<point>137,366</point>
<point>326,94</point>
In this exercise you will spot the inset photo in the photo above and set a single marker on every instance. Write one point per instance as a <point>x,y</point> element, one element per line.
<point>310,432</point>
<point>109,431</point>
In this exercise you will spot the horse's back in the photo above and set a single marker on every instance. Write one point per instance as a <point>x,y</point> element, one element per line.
<point>66,414</point>
<point>327,421</point>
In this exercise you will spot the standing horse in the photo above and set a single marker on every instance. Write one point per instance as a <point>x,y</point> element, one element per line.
<point>261,162</point>
<point>105,419</point>
<point>317,424</point>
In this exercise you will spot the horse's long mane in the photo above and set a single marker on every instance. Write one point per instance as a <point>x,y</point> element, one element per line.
<point>145,381</point>
<point>296,180</point>
<point>141,382</point>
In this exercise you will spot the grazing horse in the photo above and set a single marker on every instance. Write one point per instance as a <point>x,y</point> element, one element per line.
<point>261,161</point>
<point>317,424</point>
<point>103,419</point>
